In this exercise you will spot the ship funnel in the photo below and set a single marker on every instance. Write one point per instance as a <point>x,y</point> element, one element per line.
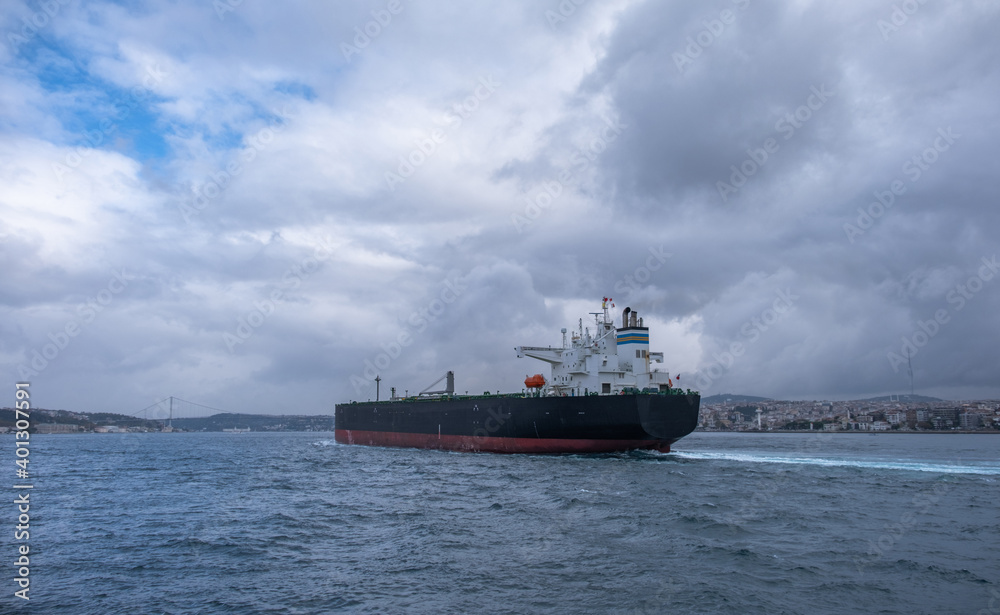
<point>625,317</point>
<point>632,318</point>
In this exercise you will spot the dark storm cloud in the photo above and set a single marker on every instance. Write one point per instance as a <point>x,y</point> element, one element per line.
<point>850,99</point>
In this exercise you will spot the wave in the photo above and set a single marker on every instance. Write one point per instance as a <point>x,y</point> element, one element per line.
<point>916,466</point>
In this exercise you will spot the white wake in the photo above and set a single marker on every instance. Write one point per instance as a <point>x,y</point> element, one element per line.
<point>939,467</point>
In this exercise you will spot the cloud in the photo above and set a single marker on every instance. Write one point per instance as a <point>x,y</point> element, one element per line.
<point>219,159</point>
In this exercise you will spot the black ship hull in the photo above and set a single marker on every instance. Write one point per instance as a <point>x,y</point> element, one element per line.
<point>517,424</point>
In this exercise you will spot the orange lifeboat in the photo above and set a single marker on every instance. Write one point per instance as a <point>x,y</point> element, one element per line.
<point>534,382</point>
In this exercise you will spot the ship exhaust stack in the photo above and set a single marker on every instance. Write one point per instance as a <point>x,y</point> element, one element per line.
<point>625,317</point>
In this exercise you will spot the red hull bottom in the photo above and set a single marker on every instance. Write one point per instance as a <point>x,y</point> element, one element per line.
<point>490,444</point>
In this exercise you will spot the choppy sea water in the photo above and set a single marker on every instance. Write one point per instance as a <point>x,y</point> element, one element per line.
<point>295,523</point>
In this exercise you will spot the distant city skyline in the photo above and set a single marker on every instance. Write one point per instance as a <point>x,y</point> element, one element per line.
<point>859,415</point>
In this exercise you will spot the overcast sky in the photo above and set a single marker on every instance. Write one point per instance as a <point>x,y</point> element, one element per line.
<point>256,206</point>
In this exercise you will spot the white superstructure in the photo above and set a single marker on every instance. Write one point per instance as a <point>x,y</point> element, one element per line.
<point>604,363</point>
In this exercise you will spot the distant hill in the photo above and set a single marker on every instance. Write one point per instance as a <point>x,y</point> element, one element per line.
<point>217,422</point>
<point>731,398</point>
<point>85,421</point>
<point>906,398</point>
<point>257,422</point>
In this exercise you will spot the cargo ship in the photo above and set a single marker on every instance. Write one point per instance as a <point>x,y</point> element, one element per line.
<point>606,393</point>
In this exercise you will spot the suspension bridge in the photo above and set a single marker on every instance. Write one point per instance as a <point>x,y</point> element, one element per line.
<point>166,410</point>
